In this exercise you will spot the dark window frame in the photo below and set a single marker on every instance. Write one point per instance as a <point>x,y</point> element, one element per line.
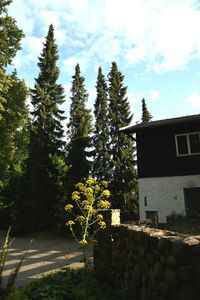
<point>187,135</point>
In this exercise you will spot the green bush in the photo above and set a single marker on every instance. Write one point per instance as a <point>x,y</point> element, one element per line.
<point>69,284</point>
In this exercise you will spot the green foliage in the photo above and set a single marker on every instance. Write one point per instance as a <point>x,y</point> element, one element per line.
<point>14,140</point>
<point>100,140</point>
<point>13,113</point>
<point>4,291</point>
<point>10,35</point>
<point>42,184</point>
<point>79,284</point>
<point>58,177</point>
<point>123,179</point>
<point>146,116</point>
<point>46,97</point>
<point>89,197</point>
<point>79,129</point>
<point>5,83</point>
<point>14,136</point>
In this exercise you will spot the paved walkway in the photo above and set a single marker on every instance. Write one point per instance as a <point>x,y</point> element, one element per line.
<point>44,257</point>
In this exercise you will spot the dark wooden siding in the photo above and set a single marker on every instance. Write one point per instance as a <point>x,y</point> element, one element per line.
<point>156,152</point>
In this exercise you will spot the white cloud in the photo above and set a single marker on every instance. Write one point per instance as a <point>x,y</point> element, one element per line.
<point>91,99</point>
<point>70,63</point>
<point>16,62</point>
<point>136,54</point>
<point>194,100</point>
<point>162,34</point>
<point>134,97</point>
<point>31,49</point>
<point>23,14</point>
<point>135,100</point>
<point>67,89</point>
<point>153,95</point>
<point>48,17</point>
<point>33,44</point>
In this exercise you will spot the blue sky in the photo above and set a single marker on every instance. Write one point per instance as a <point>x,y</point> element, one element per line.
<point>156,44</point>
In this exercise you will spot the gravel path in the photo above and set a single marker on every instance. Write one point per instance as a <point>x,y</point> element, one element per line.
<point>45,256</point>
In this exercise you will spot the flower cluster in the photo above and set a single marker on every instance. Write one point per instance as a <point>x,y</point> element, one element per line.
<point>70,223</point>
<point>80,219</point>
<point>83,242</point>
<point>102,224</point>
<point>89,197</point>
<point>76,196</point>
<point>99,217</point>
<point>103,204</point>
<point>69,207</point>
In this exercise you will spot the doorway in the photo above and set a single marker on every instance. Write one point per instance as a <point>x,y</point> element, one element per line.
<point>153,216</point>
<point>192,202</point>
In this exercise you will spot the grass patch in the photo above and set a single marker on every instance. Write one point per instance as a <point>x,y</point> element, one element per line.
<point>79,284</point>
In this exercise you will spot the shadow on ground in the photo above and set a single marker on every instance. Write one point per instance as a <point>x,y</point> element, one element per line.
<point>44,257</point>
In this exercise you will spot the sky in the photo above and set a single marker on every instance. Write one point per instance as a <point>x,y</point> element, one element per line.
<point>156,44</point>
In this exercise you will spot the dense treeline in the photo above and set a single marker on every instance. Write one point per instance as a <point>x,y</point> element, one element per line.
<point>40,161</point>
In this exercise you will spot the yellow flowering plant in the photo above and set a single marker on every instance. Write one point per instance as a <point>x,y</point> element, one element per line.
<point>89,197</point>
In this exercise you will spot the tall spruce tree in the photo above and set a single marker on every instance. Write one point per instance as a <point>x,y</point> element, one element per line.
<point>78,133</point>
<point>42,181</point>
<point>146,116</point>
<point>123,180</point>
<point>100,140</point>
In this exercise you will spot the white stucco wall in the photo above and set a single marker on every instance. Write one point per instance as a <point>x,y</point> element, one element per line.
<point>165,194</point>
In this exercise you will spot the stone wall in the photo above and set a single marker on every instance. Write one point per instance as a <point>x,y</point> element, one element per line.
<point>155,264</point>
<point>185,228</point>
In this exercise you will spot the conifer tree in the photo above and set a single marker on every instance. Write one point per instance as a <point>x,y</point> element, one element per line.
<point>146,116</point>
<point>42,181</point>
<point>78,133</point>
<point>100,141</point>
<point>123,180</point>
<point>47,95</point>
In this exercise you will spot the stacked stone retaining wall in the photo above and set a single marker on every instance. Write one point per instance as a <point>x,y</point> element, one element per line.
<point>192,229</point>
<point>155,264</point>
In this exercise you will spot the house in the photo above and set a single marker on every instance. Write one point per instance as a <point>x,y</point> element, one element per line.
<point>168,160</point>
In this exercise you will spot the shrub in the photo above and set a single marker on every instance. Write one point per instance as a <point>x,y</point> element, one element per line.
<point>89,197</point>
<point>79,284</point>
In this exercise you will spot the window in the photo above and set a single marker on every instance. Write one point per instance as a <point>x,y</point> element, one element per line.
<point>188,144</point>
<point>194,143</point>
